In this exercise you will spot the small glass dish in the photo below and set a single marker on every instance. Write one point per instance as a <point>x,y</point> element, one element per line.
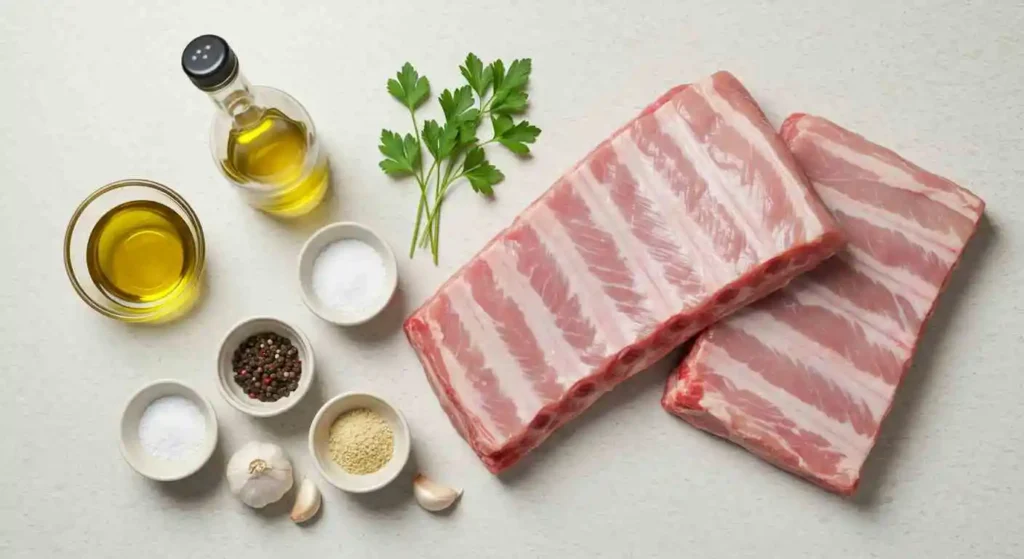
<point>76,239</point>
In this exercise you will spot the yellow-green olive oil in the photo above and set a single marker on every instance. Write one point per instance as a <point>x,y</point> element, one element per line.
<point>273,152</point>
<point>142,253</point>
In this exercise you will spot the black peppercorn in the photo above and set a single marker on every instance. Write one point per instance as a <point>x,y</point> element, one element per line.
<point>267,367</point>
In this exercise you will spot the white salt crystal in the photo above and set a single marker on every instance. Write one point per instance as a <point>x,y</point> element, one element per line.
<point>172,428</point>
<point>349,275</point>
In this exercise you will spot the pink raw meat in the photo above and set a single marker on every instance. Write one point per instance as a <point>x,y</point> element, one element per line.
<point>805,377</point>
<point>692,210</point>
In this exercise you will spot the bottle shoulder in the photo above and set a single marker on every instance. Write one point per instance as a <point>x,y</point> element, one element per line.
<point>266,98</point>
<point>273,98</point>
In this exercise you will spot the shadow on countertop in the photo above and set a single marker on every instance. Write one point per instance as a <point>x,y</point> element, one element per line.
<point>647,384</point>
<point>394,495</point>
<point>381,328</point>
<point>900,423</point>
<point>296,421</point>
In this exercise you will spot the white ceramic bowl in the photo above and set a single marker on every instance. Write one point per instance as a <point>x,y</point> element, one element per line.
<point>319,435</point>
<point>225,375</point>
<point>336,232</point>
<point>148,465</point>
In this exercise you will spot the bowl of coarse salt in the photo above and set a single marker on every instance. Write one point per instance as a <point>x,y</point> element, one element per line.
<point>347,273</point>
<point>168,430</point>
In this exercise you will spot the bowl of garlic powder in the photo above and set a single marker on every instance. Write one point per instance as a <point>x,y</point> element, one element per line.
<point>359,442</point>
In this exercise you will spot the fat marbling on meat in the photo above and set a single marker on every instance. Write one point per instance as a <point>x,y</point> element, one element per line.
<point>690,211</point>
<point>805,377</point>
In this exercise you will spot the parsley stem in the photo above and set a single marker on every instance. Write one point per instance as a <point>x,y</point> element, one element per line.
<point>485,106</point>
<point>442,187</point>
<point>437,233</point>
<point>416,129</point>
<point>433,217</point>
<point>448,172</point>
<point>437,205</point>
<point>423,184</point>
<point>428,239</point>
<point>423,205</point>
<point>455,140</point>
<point>416,228</point>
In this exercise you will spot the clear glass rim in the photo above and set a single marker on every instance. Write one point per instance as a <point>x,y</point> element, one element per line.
<point>69,268</point>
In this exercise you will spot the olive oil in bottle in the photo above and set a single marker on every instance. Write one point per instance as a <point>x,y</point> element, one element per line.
<point>273,152</point>
<point>263,140</point>
<point>141,252</point>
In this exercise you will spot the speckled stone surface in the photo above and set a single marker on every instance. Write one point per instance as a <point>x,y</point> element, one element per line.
<point>93,92</point>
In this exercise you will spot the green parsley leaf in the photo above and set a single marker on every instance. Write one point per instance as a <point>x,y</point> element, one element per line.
<point>517,76</point>
<point>440,140</point>
<point>460,117</point>
<point>457,105</point>
<point>401,156</point>
<point>514,136</point>
<point>511,103</point>
<point>517,148</point>
<point>474,158</point>
<point>497,74</point>
<point>467,131</point>
<point>432,136</point>
<point>483,177</point>
<point>478,77</point>
<point>457,151</point>
<point>412,150</point>
<point>523,131</point>
<point>501,124</point>
<point>448,140</point>
<point>409,88</point>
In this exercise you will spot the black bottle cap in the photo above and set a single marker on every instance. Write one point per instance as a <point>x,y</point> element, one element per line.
<point>209,62</point>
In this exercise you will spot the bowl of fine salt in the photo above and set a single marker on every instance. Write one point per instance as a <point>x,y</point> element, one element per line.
<point>168,430</point>
<point>347,273</point>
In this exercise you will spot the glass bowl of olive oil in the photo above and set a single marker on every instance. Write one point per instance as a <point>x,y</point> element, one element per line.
<point>134,251</point>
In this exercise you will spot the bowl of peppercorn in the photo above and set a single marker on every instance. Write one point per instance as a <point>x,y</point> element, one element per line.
<point>265,366</point>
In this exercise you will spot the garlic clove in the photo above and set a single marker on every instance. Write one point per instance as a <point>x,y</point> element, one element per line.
<point>434,496</point>
<point>307,502</point>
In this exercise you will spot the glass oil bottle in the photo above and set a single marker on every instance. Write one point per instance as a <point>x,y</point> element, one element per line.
<point>262,139</point>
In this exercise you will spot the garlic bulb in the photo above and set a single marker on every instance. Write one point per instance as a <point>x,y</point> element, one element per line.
<point>259,474</point>
<point>433,496</point>
<point>307,502</point>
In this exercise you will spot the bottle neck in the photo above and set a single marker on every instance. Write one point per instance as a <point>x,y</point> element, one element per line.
<point>236,100</point>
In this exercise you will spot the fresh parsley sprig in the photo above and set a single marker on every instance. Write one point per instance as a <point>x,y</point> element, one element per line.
<point>494,94</point>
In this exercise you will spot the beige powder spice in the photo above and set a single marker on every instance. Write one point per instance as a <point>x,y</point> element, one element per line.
<point>361,441</point>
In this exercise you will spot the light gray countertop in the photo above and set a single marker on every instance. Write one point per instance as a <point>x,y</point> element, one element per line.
<point>93,92</point>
